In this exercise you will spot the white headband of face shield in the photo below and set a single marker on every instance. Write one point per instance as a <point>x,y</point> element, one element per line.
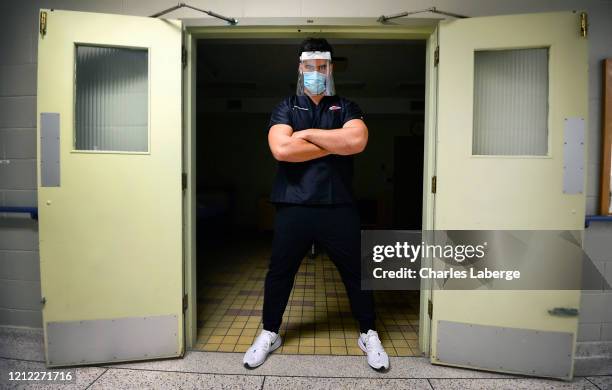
<point>315,55</point>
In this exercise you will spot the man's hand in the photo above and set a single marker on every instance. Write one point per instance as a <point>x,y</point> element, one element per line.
<point>284,147</point>
<point>352,138</point>
<point>301,134</point>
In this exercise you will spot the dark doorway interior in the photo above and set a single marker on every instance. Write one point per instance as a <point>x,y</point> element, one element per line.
<point>408,182</point>
<point>238,84</point>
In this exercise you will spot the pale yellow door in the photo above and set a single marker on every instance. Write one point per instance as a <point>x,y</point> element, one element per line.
<point>109,187</point>
<point>511,90</point>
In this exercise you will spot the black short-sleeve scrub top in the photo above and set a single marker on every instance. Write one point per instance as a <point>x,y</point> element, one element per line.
<point>324,180</point>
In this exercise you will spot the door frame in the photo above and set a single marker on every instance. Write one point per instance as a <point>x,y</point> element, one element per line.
<point>257,28</point>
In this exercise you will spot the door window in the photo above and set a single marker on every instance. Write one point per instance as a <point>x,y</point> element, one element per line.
<point>111,99</point>
<point>510,102</point>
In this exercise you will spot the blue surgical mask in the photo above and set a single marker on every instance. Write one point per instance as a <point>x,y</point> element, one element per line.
<point>315,82</point>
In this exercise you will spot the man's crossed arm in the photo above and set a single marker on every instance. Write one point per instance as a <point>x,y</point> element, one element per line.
<point>308,144</point>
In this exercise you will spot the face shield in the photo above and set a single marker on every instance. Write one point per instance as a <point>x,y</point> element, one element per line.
<point>315,74</point>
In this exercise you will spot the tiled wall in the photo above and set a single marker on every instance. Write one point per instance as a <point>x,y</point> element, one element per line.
<point>19,262</point>
<point>596,306</point>
<point>19,275</point>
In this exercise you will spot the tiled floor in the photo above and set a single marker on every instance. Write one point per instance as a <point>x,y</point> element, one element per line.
<point>21,350</point>
<point>317,319</point>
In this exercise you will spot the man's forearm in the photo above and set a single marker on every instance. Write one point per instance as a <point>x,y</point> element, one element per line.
<point>298,150</point>
<point>343,141</point>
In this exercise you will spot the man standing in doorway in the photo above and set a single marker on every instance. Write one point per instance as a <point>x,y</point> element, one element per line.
<point>314,135</point>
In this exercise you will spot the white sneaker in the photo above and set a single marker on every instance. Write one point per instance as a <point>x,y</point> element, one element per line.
<point>370,344</point>
<point>264,344</point>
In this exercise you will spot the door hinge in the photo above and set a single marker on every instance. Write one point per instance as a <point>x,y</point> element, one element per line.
<point>434,183</point>
<point>437,56</point>
<point>184,181</point>
<point>185,302</point>
<point>183,56</point>
<point>429,308</point>
<point>43,300</point>
<point>43,23</point>
<point>584,24</point>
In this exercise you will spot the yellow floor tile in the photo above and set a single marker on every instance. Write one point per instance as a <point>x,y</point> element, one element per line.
<point>210,347</point>
<point>292,341</point>
<point>202,339</point>
<point>241,347</point>
<point>337,350</point>
<point>226,347</point>
<point>351,335</point>
<point>354,351</point>
<point>246,339</point>
<point>230,339</point>
<point>215,339</point>
<point>219,332</point>
<point>337,342</point>
<point>290,349</point>
<point>315,329</point>
<point>306,350</point>
<point>249,332</point>
<point>396,336</point>
<point>234,332</point>
<point>322,342</point>
<point>399,343</point>
<point>410,335</point>
<point>322,334</point>
<point>307,342</point>
<point>403,351</point>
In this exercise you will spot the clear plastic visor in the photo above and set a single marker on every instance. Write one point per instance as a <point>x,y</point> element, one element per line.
<point>315,75</point>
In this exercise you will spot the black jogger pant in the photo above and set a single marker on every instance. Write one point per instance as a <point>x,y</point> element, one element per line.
<point>336,228</point>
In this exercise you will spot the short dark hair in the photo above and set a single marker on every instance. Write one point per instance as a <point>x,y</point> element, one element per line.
<point>316,44</point>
